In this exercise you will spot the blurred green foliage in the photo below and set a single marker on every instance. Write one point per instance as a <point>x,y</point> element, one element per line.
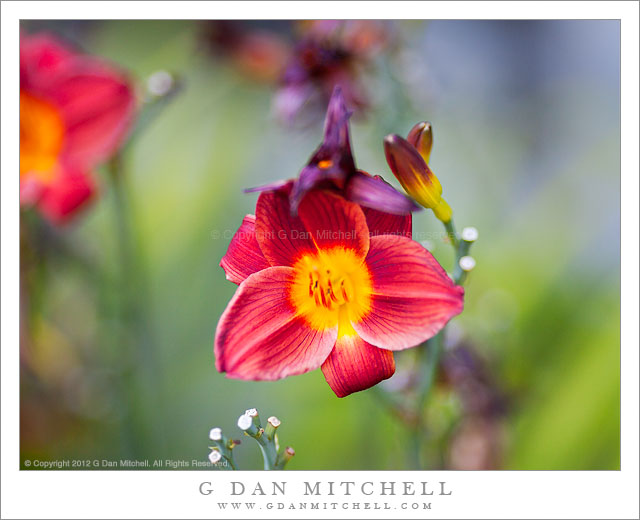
<point>534,166</point>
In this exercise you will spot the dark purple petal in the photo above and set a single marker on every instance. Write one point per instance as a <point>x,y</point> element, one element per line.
<point>336,123</point>
<point>376,193</point>
<point>309,177</point>
<point>332,163</point>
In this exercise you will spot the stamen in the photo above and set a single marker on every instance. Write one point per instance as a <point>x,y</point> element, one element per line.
<point>326,290</point>
<point>324,298</point>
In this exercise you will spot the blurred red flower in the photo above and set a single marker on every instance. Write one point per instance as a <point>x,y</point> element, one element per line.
<point>75,111</point>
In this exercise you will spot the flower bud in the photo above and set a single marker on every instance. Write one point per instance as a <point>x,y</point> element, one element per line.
<point>467,263</point>
<point>289,452</point>
<point>421,138</point>
<point>415,176</point>
<point>443,211</point>
<point>284,456</point>
<point>469,234</point>
<point>272,425</point>
<point>245,422</point>
<point>215,456</point>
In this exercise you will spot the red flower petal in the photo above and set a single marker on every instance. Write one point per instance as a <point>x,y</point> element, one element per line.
<point>413,297</point>
<point>97,105</point>
<point>42,58</point>
<point>324,221</point>
<point>65,195</point>
<point>355,365</point>
<point>334,222</point>
<point>259,336</point>
<point>244,256</point>
<point>381,223</point>
<point>281,236</point>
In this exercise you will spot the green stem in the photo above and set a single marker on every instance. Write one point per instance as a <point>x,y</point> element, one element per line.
<point>269,453</point>
<point>451,233</point>
<point>135,338</point>
<point>131,425</point>
<point>431,352</point>
<point>461,250</point>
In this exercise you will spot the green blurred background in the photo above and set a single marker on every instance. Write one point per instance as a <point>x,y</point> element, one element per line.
<point>526,124</point>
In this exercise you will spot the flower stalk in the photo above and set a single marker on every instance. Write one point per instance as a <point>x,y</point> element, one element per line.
<point>273,458</point>
<point>408,159</point>
<point>249,422</point>
<point>464,263</point>
<point>223,449</point>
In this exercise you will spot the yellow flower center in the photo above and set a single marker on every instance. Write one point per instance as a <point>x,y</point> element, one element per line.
<point>41,136</point>
<point>331,287</point>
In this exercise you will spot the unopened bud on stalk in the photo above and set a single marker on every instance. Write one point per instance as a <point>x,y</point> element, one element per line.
<point>469,234</point>
<point>467,263</point>
<point>288,454</point>
<point>421,137</point>
<point>245,422</point>
<point>251,412</point>
<point>272,425</point>
<point>416,177</point>
<point>215,456</point>
<point>160,83</point>
<point>284,457</point>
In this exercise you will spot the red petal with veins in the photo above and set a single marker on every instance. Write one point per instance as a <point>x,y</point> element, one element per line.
<point>281,236</point>
<point>259,336</point>
<point>334,222</point>
<point>243,257</point>
<point>381,223</point>
<point>413,297</point>
<point>355,365</point>
<point>324,220</point>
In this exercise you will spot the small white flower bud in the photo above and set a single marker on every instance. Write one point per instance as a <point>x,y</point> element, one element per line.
<point>273,421</point>
<point>244,422</point>
<point>251,412</point>
<point>160,83</point>
<point>467,263</point>
<point>469,234</point>
<point>215,434</point>
<point>215,456</point>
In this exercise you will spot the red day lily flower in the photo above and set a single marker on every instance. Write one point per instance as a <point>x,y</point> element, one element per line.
<point>337,286</point>
<point>332,167</point>
<point>74,113</point>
